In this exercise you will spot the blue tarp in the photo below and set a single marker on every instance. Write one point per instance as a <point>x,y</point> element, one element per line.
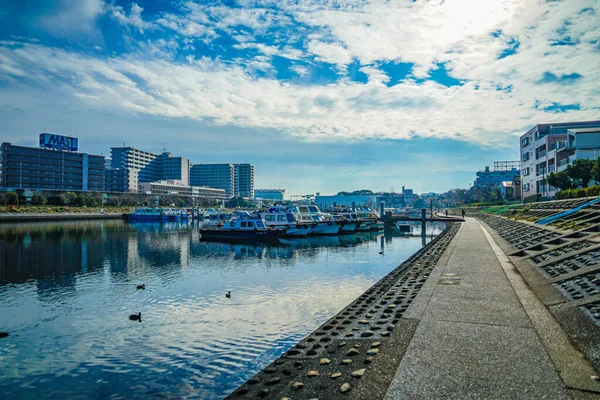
<point>552,218</point>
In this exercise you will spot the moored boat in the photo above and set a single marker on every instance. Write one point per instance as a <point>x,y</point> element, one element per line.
<point>156,214</point>
<point>242,226</point>
<point>326,225</point>
<point>288,221</point>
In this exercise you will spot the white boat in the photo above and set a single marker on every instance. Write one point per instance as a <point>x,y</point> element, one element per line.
<point>368,218</point>
<point>326,225</point>
<point>352,222</point>
<point>242,226</point>
<point>285,219</point>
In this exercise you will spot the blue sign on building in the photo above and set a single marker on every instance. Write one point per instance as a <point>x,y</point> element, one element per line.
<point>51,141</point>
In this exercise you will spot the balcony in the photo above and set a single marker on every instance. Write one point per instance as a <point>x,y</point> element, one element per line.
<point>541,154</point>
<point>551,168</point>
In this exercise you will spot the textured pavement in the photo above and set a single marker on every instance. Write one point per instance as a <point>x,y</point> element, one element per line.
<point>474,339</point>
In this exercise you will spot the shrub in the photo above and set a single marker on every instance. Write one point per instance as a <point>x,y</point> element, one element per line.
<point>578,192</point>
<point>11,199</point>
<point>38,199</point>
<point>592,191</point>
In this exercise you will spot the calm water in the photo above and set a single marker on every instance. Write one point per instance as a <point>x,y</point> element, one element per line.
<point>66,291</point>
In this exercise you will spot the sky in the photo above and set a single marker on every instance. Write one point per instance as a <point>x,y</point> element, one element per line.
<point>320,96</point>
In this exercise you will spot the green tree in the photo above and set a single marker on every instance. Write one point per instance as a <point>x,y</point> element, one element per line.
<point>560,180</point>
<point>38,199</point>
<point>11,198</point>
<point>596,170</point>
<point>580,172</point>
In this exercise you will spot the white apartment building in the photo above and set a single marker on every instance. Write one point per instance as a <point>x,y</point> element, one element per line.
<point>547,148</point>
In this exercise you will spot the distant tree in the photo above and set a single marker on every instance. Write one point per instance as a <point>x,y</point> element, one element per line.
<point>596,170</point>
<point>487,193</point>
<point>38,199</point>
<point>11,199</point>
<point>580,172</point>
<point>560,180</point>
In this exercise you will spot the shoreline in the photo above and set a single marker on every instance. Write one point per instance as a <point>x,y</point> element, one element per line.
<point>50,217</point>
<point>356,341</point>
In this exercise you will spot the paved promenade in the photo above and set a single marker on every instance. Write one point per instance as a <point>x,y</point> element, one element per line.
<point>482,333</point>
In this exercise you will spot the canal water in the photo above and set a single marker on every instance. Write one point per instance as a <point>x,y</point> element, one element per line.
<point>67,290</point>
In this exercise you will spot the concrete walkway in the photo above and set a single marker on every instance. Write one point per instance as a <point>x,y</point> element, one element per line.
<point>475,338</point>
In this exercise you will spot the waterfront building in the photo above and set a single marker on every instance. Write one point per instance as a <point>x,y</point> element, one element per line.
<point>269,194</point>
<point>143,166</point>
<point>547,148</point>
<point>220,176</point>
<point>175,187</point>
<point>326,202</point>
<point>504,171</point>
<point>55,165</point>
<point>236,179</point>
<point>244,180</point>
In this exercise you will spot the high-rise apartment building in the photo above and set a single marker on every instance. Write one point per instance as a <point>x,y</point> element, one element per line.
<point>547,148</point>
<point>219,176</point>
<point>244,180</point>
<point>236,179</point>
<point>55,165</point>
<point>143,166</point>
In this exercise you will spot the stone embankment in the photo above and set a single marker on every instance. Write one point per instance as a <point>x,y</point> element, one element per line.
<point>499,308</point>
<point>43,217</point>
<point>561,263</point>
<point>357,352</point>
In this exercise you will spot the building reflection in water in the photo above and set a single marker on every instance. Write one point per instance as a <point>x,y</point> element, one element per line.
<point>56,253</point>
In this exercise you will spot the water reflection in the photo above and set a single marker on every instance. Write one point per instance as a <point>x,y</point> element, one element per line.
<point>66,291</point>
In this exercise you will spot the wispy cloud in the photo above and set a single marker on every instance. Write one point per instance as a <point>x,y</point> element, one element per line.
<point>477,70</point>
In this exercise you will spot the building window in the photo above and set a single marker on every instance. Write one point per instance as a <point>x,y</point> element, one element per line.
<point>524,142</point>
<point>525,157</point>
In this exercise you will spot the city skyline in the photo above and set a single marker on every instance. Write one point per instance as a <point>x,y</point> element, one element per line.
<point>368,95</point>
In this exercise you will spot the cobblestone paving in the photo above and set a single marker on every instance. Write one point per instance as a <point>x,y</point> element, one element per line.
<point>580,287</point>
<point>336,358</point>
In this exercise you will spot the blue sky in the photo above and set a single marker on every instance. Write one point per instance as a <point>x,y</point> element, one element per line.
<point>319,96</point>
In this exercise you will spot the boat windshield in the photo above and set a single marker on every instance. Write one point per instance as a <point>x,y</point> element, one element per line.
<point>290,217</point>
<point>313,209</point>
<point>259,224</point>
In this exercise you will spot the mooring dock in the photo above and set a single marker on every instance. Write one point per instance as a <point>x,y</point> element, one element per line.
<point>456,320</point>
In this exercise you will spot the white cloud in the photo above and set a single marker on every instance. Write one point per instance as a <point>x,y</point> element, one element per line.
<point>133,19</point>
<point>329,52</point>
<point>499,97</point>
<point>73,17</point>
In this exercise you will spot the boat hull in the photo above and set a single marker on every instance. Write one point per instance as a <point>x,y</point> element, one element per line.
<point>234,234</point>
<point>325,229</point>
<point>348,227</point>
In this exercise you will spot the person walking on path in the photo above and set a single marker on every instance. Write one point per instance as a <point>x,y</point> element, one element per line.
<point>446,213</point>
<point>462,210</point>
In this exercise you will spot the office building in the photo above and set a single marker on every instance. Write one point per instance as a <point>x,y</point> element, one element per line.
<point>244,180</point>
<point>143,166</point>
<point>504,171</point>
<point>269,194</point>
<point>220,176</point>
<point>55,165</point>
<point>175,187</point>
<point>547,148</point>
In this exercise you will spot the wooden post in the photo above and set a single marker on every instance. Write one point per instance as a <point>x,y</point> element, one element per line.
<point>423,225</point>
